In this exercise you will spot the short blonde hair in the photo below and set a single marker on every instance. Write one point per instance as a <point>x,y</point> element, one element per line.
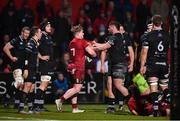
<point>76,29</point>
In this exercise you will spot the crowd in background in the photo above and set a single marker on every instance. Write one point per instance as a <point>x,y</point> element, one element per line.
<point>93,15</point>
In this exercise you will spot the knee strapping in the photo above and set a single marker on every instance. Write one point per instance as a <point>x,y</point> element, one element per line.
<point>153,82</point>
<point>17,74</point>
<point>163,82</point>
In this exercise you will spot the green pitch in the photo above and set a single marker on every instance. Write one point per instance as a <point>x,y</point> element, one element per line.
<point>92,112</point>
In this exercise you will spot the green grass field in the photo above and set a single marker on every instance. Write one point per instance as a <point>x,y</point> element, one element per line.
<point>92,112</point>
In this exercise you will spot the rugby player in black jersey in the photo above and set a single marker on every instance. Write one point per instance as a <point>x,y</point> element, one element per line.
<point>154,61</point>
<point>118,63</point>
<point>15,50</point>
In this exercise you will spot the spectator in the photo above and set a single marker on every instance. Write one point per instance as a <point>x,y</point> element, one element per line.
<point>100,23</point>
<point>89,9</point>
<point>119,10</point>
<point>142,15</point>
<point>160,7</point>
<point>9,19</point>
<point>90,35</point>
<point>6,60</point>
<point>83,20</point>
<point>61,33</point>
<point>6,39</point>
<point>110,11</point>
<point>60,85</point>
<point>62,64</point>
<point>66,7</point>
<point>25,16</point>
<point>128,6</point>
<point>44,10</point>
<point>129,24</point>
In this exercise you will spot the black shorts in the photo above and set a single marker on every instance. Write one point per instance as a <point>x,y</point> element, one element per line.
<point>18,66</point>
<point>46,68</point>
<point>158,71</point>
<point>118,71</point>
<point>32,76</point>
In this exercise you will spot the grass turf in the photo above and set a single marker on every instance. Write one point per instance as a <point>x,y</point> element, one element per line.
<point>92,112</point>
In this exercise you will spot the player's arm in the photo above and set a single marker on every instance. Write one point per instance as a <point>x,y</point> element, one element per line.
<point>90,51</point>
<point>7,49</point>
<point>144,52</point>
<point>45,57</point>
<point>103,46</point>
<point>28,51</point>
<point>102,59</point>
<point>110,42</point>
<point>131,56</point>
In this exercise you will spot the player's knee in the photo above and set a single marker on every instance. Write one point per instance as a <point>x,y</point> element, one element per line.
<point>17,74</point>
<point>27,87</point>
<point>78,88</point>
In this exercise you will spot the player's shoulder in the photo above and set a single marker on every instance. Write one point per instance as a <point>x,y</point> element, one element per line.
<point>16,39</point>
<point>30,42</point>
<point>112,37</point>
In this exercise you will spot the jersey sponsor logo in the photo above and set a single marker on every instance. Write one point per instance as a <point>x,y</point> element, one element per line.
<point>159,35</point>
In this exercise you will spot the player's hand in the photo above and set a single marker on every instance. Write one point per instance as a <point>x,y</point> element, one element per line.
<point>143,70</point>
<point>45,58</point>
<point>73,71</point>
<point>14,59</point>
<point>25,74</point>
<point>130,68</point>
<point>96,46</point>
<point>71,68</point>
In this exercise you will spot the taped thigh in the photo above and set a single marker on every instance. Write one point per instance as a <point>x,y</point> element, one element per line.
<point>17,74</point>
<point>163,82</point>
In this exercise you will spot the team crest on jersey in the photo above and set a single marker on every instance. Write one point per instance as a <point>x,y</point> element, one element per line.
<point>20,43</point>
<point>159,35</point>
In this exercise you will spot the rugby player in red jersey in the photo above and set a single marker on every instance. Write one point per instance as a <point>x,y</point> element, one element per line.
<point>140,102</point>
<point>78,48</point>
